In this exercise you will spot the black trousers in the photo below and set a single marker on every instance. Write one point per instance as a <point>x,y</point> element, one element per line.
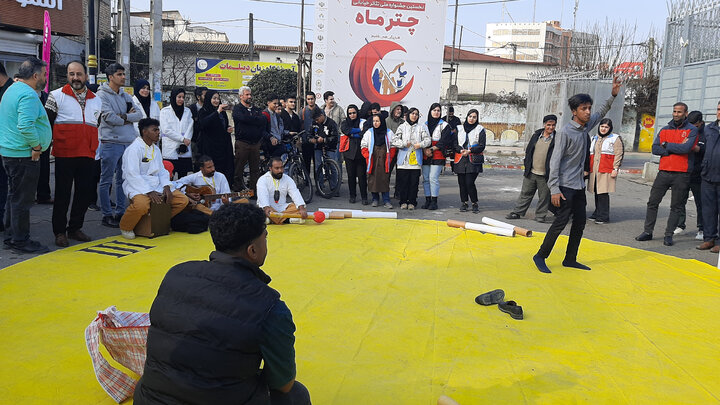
<point>182,166</point>
<point>308,153</point>
<point>96,171</point>
<point>356,172</point>
<point>696,188</point>
<point>23,174</point>
<point>572,206</point>
<point>76,171</point>
<point>466,181</point>
<point>298,395</point>
<point>406,183</point>
<point>679,183</point>
<point>711,209</point>
<point>3,192</point>
<point>602,207</point>
<point>43,186</point>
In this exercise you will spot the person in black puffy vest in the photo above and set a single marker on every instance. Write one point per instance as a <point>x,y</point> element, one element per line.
<point>214,321</point>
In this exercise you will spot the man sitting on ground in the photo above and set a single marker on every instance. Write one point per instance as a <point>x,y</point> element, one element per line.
<point>207,176</point>
<point>213,322</point>
<point>273,188</point>
<point>146,179</point>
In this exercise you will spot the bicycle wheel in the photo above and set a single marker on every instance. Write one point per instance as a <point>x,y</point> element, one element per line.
<point>327,178</point>
<point>302,180</point>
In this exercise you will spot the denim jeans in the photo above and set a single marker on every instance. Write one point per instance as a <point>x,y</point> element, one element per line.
<point>431,180</point>
<point>385,196</point>
<point>111,165</point>
<point>23,175</point>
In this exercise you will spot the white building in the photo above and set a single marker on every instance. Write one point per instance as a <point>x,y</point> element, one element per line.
<point>482,74</point>
<point>531,42</point>
<point>175,28</point>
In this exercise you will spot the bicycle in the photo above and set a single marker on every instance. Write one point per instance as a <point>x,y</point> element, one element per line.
<point>327,175</point>
<point>294,167</point>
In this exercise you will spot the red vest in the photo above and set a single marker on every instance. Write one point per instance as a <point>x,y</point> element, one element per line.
<point>607,153</point>
<point>674,162</point>
<point>75,132</point>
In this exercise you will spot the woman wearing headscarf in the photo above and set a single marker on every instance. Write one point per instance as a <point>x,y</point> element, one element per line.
<point>176,130</point>
<point>350,137</point>
<point>144,103</point>
<point>411,137</point>
<point>468,160</point>
<point>214,131</point>
<point>378,152</point>
<point>606,156</point>
<point>434,159</point>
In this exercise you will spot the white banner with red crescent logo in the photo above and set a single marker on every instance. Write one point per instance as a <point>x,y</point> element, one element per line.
<point>379,51</point>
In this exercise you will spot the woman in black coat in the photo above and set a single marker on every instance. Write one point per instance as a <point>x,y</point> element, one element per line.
<point>215,140</point>
<point>469,144</point>
<point>350,137</point>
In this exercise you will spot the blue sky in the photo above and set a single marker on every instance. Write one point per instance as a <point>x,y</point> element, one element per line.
<point>648,15</point>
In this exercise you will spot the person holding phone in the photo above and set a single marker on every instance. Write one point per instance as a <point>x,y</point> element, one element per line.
<point>216,134</point>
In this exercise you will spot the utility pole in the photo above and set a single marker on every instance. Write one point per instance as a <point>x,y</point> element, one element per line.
<point>514,48</point>
<point>156,53</point>
<point>577,4</point>
<point>92,44</point>
<point>459,49</point>
<point>452,55</point>
<point>300,100</point>
<point>251,41</point>
<point>123,39</point>
<point>534,4</point>
<point>651,57</point>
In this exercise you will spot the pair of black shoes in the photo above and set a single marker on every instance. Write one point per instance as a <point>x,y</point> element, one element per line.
<point>498,297</point>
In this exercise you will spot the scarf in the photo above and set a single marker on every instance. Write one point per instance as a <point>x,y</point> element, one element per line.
<point>352,123</point>
<point>144,101</point>
<point>432,122</point>
<point>179,109</point>
<point>469,127</point>
<point>379,133</point>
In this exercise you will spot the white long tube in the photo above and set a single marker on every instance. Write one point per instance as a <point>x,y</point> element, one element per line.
<point>489,229</point>
<point>361,214</point>
<point>495,222</point>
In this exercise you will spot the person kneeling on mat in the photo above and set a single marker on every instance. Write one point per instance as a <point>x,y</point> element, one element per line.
<point>273,188</point>
<point>213,322</point>
<point>146,179</point>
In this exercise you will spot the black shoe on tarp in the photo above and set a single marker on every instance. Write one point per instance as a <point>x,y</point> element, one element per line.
<point>511,308</point>
<point>491,297</point>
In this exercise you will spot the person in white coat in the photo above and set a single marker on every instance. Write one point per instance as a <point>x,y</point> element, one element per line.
<point>144,103</point>
<point>411,137</point>
<point>145,178</point>
<point>176,129</point>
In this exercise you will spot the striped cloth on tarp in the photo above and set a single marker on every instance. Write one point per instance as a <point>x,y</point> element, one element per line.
<point>124,335</point>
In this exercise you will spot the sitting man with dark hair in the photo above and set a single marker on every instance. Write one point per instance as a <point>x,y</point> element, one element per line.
<point>273,188</point>
<point>213,322</point>
<point>146,179</point>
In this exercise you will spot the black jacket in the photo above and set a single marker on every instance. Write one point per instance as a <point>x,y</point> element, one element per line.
<point>215,141</point>
<point>353,151</point>
<point>711,160</point>
<point>250,124</point>
<point>695,176</point>
<point>203,344</point>
<point>530,149</point>
<point>329,131</point>
<point>291,123</point>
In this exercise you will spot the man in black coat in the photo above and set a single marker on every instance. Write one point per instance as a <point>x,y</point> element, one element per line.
<point>213,322</point>
<point>537,169</point>
<point>250,124</point>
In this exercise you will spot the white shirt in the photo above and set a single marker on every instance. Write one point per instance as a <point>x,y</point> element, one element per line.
<point>266,187</point>
<point>174,132</point>
<point>154,111</point>
<point>142,177</point>
<point>217,181</point>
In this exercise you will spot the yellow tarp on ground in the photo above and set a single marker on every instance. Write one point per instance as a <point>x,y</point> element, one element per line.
<point>385,314</point>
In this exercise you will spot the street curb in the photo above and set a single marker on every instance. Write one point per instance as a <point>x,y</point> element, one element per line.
<point>522,167</point>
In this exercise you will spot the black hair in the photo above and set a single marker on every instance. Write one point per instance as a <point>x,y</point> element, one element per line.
<point>271,97</point>
<point>2,70</point>
<point>234,226</point>
<point>198,92</point>
<point>410,111</point>
<point>114,68</point>
<point>549,117</point>
<point>146,123</point>
<point>291,96</point>
<point>275,159</point>
<point>29,67</point>
<point>310,93</point>
<point>328,94</point>
<point>78,62</point>
<point>375,106</point>
<point>317,113</point>
<point>579,99</point>
<point>694,117</point>
<point>681,104</point>
<point>204,159</point>
<point>608,122</point>
<point>451,109</point>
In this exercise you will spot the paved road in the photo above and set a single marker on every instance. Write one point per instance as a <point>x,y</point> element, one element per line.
<point>498,189</point>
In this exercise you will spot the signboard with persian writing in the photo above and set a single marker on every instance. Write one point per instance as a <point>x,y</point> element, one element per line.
<point>379,51</point>
<point>67,17</point>
<point>230,75</point>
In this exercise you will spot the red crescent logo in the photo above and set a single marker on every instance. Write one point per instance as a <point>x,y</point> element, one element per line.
<point>377,85</point>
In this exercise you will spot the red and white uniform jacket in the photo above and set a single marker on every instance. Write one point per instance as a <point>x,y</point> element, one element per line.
<point>75,133</point>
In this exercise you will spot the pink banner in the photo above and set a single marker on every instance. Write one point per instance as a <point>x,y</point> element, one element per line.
<point>46,47</point>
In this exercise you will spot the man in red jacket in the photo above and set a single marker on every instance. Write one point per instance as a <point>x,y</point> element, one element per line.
<point>673,144</point>
<point>73,111</point>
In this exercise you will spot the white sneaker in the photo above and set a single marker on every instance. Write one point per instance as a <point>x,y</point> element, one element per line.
<point>127,234</point>
<point>410,207</point>
<point>403,206</point>
<point>699,235</point>
<point>678,231</point>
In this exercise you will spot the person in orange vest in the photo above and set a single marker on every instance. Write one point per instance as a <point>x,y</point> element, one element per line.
<point>673,144</point>
<point>606,156</point>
